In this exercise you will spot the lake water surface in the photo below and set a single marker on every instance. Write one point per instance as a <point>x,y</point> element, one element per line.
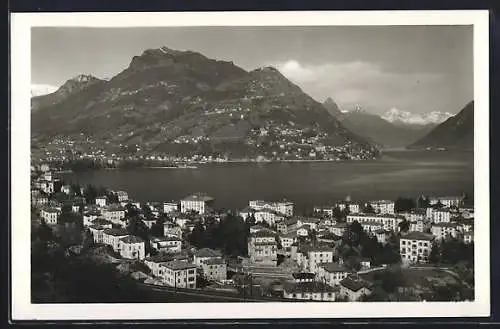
<point>397,173</point>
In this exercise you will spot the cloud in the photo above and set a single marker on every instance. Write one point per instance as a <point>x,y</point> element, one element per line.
<point>360,82</point>
<point>42,89</point>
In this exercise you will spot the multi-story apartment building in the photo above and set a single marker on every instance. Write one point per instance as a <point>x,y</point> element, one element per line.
<point>444,230</point>
<point>417,226</point>
<point>441,215</point>
<point>101,201</point>
<point>50,215</point>
<point>198,203</point>
<point>115,213</point>
<point>121,195</point>
<point>112,236</point>
<point>204,255</point>
<point>332,273</point>
<point>168,244</point>
<point>262,248</point>
<point>132,247</point>
<point>447,201</point>
<point>215,269</point>
<point>170,206</point>
<point>268,215</point>
<point>284,207</point>
<point>388,221</point>
<point>310,257</point>
<point>179,274</point>
<point>383,206</point>
<point>415,247</point>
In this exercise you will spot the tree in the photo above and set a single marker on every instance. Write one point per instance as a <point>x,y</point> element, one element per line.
<point>353,234</point>
<point>368,209</point>
<point>157,228</point>
<point>197,236</point>
<point>434,255</point>
<point>250,220</point>
<point>404,226</point>
<point>423,202</point>
<point>404,204</point>
<point>339,214</point>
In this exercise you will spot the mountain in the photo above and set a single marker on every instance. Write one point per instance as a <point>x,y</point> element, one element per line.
<point>70,87</point>
<point>455,133</point>
<point>332,107</point>
<point>381,132</point>
<point>399,117</point>
<point>183,103</point>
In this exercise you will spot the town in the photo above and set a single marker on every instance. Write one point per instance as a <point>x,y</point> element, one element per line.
<point>350,250</point>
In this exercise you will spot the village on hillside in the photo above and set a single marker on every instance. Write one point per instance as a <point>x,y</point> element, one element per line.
<point>409,249</point>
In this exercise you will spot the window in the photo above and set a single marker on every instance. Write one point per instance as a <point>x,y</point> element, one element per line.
<point>191,272</point>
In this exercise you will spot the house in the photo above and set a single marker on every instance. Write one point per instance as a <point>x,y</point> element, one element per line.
<point>324,210</point>
<point>90,216</point>
<point>415,247</point>
<point>256,228</point>
<point>441,215</point>
<point>303,230</point>
<point>179,274</point>
<point>332,273</point>
<point>75,208</point>
<point>288,225</point>
<point>330,238</point>
<point>388,221</point>
<point>39,200</point>
<point>310,221</point>
<point>468,237</point>
<point>283,207</point>
<point>182,221</point>
<point>115,213</point>
<point>50,215</point>
<point>262,248</point>
<point>169,207</point>
<point>121,195</point>
<point>383,206</point>
<point>382,236</point>
<point>287,240</point>
<point>447,201</point>
<point>149,222</point>
<point>66,189</point>
<point>172,229</point>
<point>353,288</point>
<point>371,226</point>
<point>365,263</point>
<point>351,207</point>
<point>196,203</point>
<point>303,277</point>
<point>328,222</point>
<point>205,254</point>
<point>414,215</point>
<point>155,262</point>
<point>467,213</point>
<point>417,226</point>
<point>246,212</point>
<point>339,228</point>
<point>268,215</point>
<point>310,257</point>
<point>44,167</point>
<point>102,222</point>
<point>101,201</point>
<point>444,230</point>
<point>47,176</point>
<point>112,236</point>
<point>132,247</point>
<point>47,186</point>
<point>214,269</point>
<point>317,291</point>
<point>97,233</point>
<point>169,244</point>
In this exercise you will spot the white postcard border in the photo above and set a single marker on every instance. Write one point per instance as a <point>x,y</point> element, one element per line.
<point>21,306</point>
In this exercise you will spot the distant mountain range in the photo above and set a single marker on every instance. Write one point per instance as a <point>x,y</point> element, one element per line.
<point>407,118</point>
<point>183,103</point>
<point>456,132</point>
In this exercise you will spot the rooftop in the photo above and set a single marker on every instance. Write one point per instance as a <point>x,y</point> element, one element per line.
<point>116,231</point>
<point>415,235</point>
<point>101,221</point>
<point>354,284</point>
<point>263,233</point>
<point>307,287</point>
<point>215,261</point>
<point>177,265</point>
<point>166,238</point>
<point>445,224</point>
<point>302,276</point>
<point>333,267</point>
<point>132,239</point>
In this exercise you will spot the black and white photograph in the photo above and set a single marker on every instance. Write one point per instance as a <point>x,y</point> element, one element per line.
<point>210,164</point>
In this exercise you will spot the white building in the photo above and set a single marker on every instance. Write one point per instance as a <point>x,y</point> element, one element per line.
<point>468,237</point>
<point>371,227</point>
<point>112,237</point>
<point>444,230</point>
<point>383,206</point>
<point>50,215</point>
<point>284,207</point>
<point>66,189</point>
<point>332,273</point>
<point>115,214</point>
<point>317,291</point>
<point>197,203</point>
<point>214,269</point>
<point>382,236</point>
<point>339,228</point>
<point>169,244</point>
<point>414,215</point>
<point>268,215</point>
<point>132,247</point>
<point>169,207</point>
<point>121,195</point>
<point>310,257</point>
<point>262,248</point>
<point>388,221</point>
<point>172,229</point>
<point>101,201</point>
<point>417,226</point>
<point>179,274</point>
<point>204,255</point>
<point>441,216</point>
<point>415,247</point>
<point>326,210</point>
<point>354,288</point>
<point>90,216</point>
<point>47,186</point>
<point>447,201</point>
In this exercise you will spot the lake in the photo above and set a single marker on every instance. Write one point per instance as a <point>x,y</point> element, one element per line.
<point>397,173</point>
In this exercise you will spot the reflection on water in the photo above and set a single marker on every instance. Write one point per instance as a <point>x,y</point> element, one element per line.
<point>306,183</point>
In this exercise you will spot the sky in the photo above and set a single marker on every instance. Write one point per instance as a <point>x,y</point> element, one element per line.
<point>411,68</point>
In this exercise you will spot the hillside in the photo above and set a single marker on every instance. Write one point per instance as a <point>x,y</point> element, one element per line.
<point>332,107</point>
<point>184,104</point>
<point>455,133</point>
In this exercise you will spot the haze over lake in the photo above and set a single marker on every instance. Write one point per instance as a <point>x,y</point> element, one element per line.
<point>397,173</point>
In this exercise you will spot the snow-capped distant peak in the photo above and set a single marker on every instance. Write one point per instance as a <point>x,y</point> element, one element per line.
<point>395,115</point>
<point>42,89</point>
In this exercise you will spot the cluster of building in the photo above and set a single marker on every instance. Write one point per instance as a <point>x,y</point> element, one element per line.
<point>310,242</point>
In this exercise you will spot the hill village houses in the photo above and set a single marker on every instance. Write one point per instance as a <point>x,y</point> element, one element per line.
<point>277,231</point>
